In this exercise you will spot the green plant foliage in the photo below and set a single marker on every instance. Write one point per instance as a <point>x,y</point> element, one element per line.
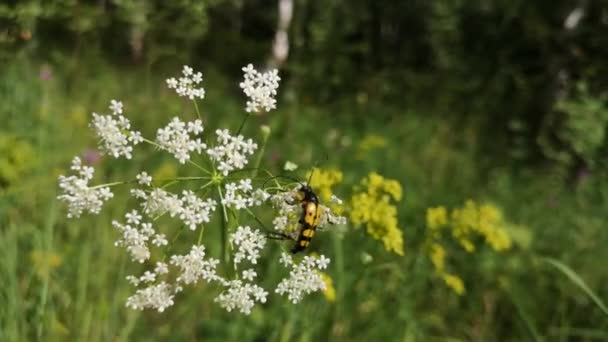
<point>576,131</point>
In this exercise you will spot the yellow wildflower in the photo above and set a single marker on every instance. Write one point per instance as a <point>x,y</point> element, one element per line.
<point>464,223</point>
<point>492,227</point>
<point>330,291</point>
<point>436,217</point>
<point>454,282</point>
<point>372,207</point>
<point>438,257</point>
<point>485,220</point>
<point>323,180</point>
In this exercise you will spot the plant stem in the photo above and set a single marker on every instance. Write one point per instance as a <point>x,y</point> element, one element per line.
<point>112,184</point>
<point>224,227</point>
<point>200,236</point>
<point>198,113</point>
<point>260,155</point>
<point>243,123</point>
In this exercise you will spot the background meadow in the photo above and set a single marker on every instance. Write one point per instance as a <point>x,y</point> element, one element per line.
<point>500,103</point>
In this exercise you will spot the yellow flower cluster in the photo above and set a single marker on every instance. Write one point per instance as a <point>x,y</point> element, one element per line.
<point>485,220</point>
<point>372,206</point>
<point>330,291</point>
<point>464,224</point>
<point>437,254</point>
<point>323,180</point>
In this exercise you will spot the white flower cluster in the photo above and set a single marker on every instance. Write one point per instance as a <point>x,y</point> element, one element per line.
<point>195,211</point>
<point>186,85</point>
<point>194,267</point>
<point>191,209</point>
<point>242,296</point>
<point>329,217</point>
<point>159,297</point>
<point>303,277</point>
<point>77,193</point>
<point>176,138</point>
<point>135,235</point>
<point>114,132</point>
<point>286,220</point>
<point>144,179</point>
<point>260,88</point>
<point>231,152</point>
<point>241,195</point>
<point>158,202</point>
<point>248,244</point>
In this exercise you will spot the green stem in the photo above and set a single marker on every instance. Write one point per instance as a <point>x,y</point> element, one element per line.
<point>243,123</point>
<point>200,236</point>
<point>170,246</point>
<point>111,184</point>
<point>224,228</point>
<point>260,155</point>
<point>256,218</point>
<point>198,113</point>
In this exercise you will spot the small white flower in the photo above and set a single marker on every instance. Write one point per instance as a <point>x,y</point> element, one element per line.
<point>248,244</point>
<point>138,193</point>
<point>260,88</point>
<point>157,297</point>
<point>335,199</point>
<point>160,240</point>
<point>231,152</point>
<point>113,131</point>
<point>322,262</point>
<point>159,202</point>
<point>161,268</point>
<point>144,179</point>
<point>78,194</point>
<point>133,280</point>
<point>176,138</point>
<point>148,277</point>
<point>186,86</point>
<point>290,166</point>
<point>249,274</point>
<point>195,211</point>
<point>238,296</point>
<point>303,277</point>
<point>194,267</point>
<point>135,236</point>
<point>133,217</point>
<point>116,107</point>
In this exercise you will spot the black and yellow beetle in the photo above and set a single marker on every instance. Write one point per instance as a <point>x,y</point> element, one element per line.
<point>309,219</point>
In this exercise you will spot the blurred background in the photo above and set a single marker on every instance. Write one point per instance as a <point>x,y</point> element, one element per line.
<point>499,102</point>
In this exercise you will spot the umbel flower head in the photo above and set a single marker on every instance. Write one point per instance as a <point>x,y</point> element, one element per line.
<point>260,88</point>
<point>78,194</point>
<point>164,233</point>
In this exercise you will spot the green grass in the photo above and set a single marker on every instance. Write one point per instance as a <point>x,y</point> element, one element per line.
<point>510,296</point>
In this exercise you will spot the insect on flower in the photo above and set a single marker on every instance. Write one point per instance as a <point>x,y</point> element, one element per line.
<point>309,219</point>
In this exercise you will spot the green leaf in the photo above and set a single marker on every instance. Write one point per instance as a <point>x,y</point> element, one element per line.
<point>577,280</point>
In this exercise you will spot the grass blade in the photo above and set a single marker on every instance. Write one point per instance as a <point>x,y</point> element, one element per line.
<point>578,281</point>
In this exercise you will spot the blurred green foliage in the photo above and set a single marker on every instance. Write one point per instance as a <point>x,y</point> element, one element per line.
<point>509,64</point>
